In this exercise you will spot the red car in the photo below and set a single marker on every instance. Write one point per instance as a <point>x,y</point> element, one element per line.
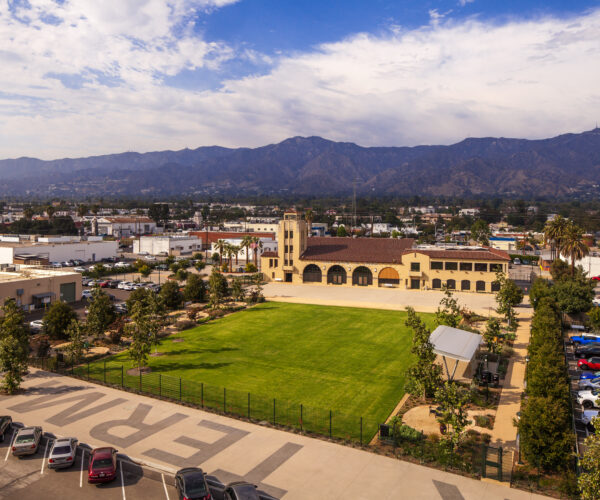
<point>103,465</point>
<point>595,278</point>
<point>592,363</point>
<point>104,284</point>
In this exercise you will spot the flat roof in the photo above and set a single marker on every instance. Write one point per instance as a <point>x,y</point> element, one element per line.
<point>24,272</point>
<point>14,244</point>
<point>455,343</point>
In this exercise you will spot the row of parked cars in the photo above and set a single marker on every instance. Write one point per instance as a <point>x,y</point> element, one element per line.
<point>192,483</point>
<point>586,348</point>
<point>120,284</point>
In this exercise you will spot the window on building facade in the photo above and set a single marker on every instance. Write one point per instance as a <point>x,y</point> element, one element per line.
<point>494,268</point>
<point>270,262</point>
<point>479,266</point>
<point>276,262</point>
<point>466,266</point>
<point>291,234</point>
<point>451,266</point>
<point>436,264</point>
<point>415,266</point>
<point>285,233</point>
<point>285,248</point>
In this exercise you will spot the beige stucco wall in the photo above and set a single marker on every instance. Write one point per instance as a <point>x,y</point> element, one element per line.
<point>31,286</point>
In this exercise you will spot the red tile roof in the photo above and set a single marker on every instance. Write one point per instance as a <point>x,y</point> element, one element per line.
<point>374,250</point>
<point>486,254</point>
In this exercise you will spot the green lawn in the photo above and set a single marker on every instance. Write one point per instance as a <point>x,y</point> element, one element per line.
<point>348,360</point>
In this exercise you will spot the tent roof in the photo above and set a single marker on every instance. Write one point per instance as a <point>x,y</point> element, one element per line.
<point>454,343</point>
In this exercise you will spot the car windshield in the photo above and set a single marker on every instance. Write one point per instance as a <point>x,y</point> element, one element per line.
<point>61,450</point>
<point>102,463</point>
<point>246,492</point>
<point>195,485</point>
<point>24,438</point>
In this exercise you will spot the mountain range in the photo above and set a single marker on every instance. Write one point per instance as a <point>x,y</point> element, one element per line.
<point>560,167</point>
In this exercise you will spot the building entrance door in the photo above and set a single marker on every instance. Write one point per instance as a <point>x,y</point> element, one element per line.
<point>288,277</point>
<point>415,284</point>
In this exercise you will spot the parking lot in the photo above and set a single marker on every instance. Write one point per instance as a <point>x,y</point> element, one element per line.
<point>28,478</point>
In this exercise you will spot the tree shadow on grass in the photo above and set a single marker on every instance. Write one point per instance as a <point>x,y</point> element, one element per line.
<point>201,350</point>
<point>192,366</point>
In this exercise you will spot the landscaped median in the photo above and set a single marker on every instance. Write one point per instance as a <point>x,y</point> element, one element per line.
<point>329,370</point>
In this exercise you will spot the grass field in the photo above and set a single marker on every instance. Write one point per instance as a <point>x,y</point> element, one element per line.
<point>349,360</point>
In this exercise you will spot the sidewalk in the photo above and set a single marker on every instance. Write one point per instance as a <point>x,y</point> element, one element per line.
<point>287,465</point>
<point>510,398</point>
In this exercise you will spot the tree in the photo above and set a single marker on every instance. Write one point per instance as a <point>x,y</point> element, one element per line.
<point>100,313</point>
<point>250,268</point>
<point>220,247</point>
<point>589,479</point>
<point>539,290</point>
<point>594,316</point>
<point>82,210</point>
<point>453,401</point>
<point>492,334</point>
<point>159,213</point>
<point>554,232</point>
<point>341,232</point>
<point>573,295</point>
<point>217,286</point>
<point>448,312</point>
<point>57,320</point>
<point>145,270</point>
<point>195,289</point>
<point>14,346</point>
<point>245,246</point>
<point>309,216</point>
<point>257,244</point>
<point>572,245</point>
<point>237,289</point>
<point>544,429</point>
<point>139,295</point>
<point>76,335</point>
<point>508,297</point>
<point>424,375</point>
<point>171,295</point>
<point>480,232</point>
<point>229,251</point>
<point>140,332</point>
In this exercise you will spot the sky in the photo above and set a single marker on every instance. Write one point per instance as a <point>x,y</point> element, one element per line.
<point>89,77</point>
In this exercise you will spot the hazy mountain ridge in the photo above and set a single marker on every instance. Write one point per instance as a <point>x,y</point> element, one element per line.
<point>561,166</point>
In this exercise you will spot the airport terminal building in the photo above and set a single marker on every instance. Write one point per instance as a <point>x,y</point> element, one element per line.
<point>378,262</point>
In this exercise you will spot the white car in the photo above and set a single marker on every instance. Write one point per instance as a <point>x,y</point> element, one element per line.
<point>587,417</point>
<point>121,264</point>
<point>121,285</point>
<point>589,383</point>
<point>36,326</point>
<point>596,301</point>
<point>79,269</point>
<point>150,258</point>
<point>129,286</point>
<point>588,398</point>
<point>62,454</point>
<point>86,294</point>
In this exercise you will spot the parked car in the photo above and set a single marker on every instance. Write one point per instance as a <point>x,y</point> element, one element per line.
<point>36,326</point>
<point>191,484</point>
<point>113,283</point>
<point>121,308</point>
<point>86,294</point>
<point>102,466</point>
<point>589,383</point>
<point>517,262</point>
<point>237,490</point>
<point>121,264</point>
<point>586,418</point>
<point>27,441</point>
<point>56,264</point>
<point>589,364</point>
<point>103,283</point>
<point>150,258</point>
<point>121,285</point>
<point>129,286</point>
<point>5,426</point>
<point>595,278</point>
<point>596,301</point>
<point>62,454</point>
<point>588,398</point>
<point>589,375</point>
<point>79,269</point>
<point>588,351</point>
<point>585,339</point>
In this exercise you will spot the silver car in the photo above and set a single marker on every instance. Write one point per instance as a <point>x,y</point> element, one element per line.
<point>27,441</point>
<point>63,453</point>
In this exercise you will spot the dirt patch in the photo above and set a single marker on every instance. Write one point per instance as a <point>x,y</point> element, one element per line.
<point>136,371</point>
<point>156,354</point>
<point>178,340</point>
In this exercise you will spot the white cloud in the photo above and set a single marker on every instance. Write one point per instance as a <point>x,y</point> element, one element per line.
<point>436,84</point>
<point>462,3</point>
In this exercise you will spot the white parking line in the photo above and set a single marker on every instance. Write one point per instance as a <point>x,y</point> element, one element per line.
<point>11,445</point>
<point>44,460</point>
<point>81,472</point>
<point>122,482</point>
<point>165,486</point>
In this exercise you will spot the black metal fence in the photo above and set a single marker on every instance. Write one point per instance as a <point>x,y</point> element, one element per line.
<point>255,407</point>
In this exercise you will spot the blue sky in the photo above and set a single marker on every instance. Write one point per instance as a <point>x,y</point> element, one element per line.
<point>83,77</point>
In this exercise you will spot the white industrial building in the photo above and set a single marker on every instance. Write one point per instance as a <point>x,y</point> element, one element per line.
<point>167,245</point>
<point>123,227</point>
<point>56,249</point>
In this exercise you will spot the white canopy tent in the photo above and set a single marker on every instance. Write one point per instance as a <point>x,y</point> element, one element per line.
<point>455,344</point>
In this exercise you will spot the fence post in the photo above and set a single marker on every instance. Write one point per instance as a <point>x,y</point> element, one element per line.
<point>483,459</point>
<point>202,394</point>
<point>273,411</point>
<point>330,423</point>
<point>122,380</point>
<point>73,367</point>
<point>105,372</point>
<point>140,370</point>
<point>159,385</point>
<point>361,431</point>
<point>248,405</point>
<point>224,400</point>
<point>179,388</point>
<point>301,416</point>
<point>500,463</point>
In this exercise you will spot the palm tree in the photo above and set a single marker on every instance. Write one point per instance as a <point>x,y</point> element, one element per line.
<point>256,244</point>
<point>245,245</point>
<point>220,246</point>
<point>572,245</point>
<point>229,251</point>
<point>554,232</point>
<point>309,217</point>
<point>236,250</point>
<point>50,211</point>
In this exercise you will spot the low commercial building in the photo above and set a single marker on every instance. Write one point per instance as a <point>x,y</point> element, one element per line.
<point>35,287</point>
<point>377,262</point>
<point>506,243</point>
<point>167,245</point>
<point>123,227</point>
<point>46,250</point>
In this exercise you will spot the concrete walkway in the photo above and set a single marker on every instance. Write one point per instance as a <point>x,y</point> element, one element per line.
<point>510,398</point>
<point>288,465</point>
<point>376,298</point>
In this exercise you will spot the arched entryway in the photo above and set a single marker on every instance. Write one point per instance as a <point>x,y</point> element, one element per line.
<point>312,274</point>
<point>436,283</point>
<point>480,286</point>
<point>362,276</point>
<point>336,275</point>
<point>451,285</point>
<point>388,276</point>
<point>465,285</point>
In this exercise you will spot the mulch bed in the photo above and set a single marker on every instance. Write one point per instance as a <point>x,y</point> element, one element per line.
<point>135,371</point>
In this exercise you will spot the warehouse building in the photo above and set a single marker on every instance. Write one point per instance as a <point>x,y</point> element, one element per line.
<point>48,249</point>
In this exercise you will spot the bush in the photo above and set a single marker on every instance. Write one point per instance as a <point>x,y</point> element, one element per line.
<point>251,268</point>
<point>486,421</point>
<point>216,313</point>
<point>185,324</point>
<point>407,433</point>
